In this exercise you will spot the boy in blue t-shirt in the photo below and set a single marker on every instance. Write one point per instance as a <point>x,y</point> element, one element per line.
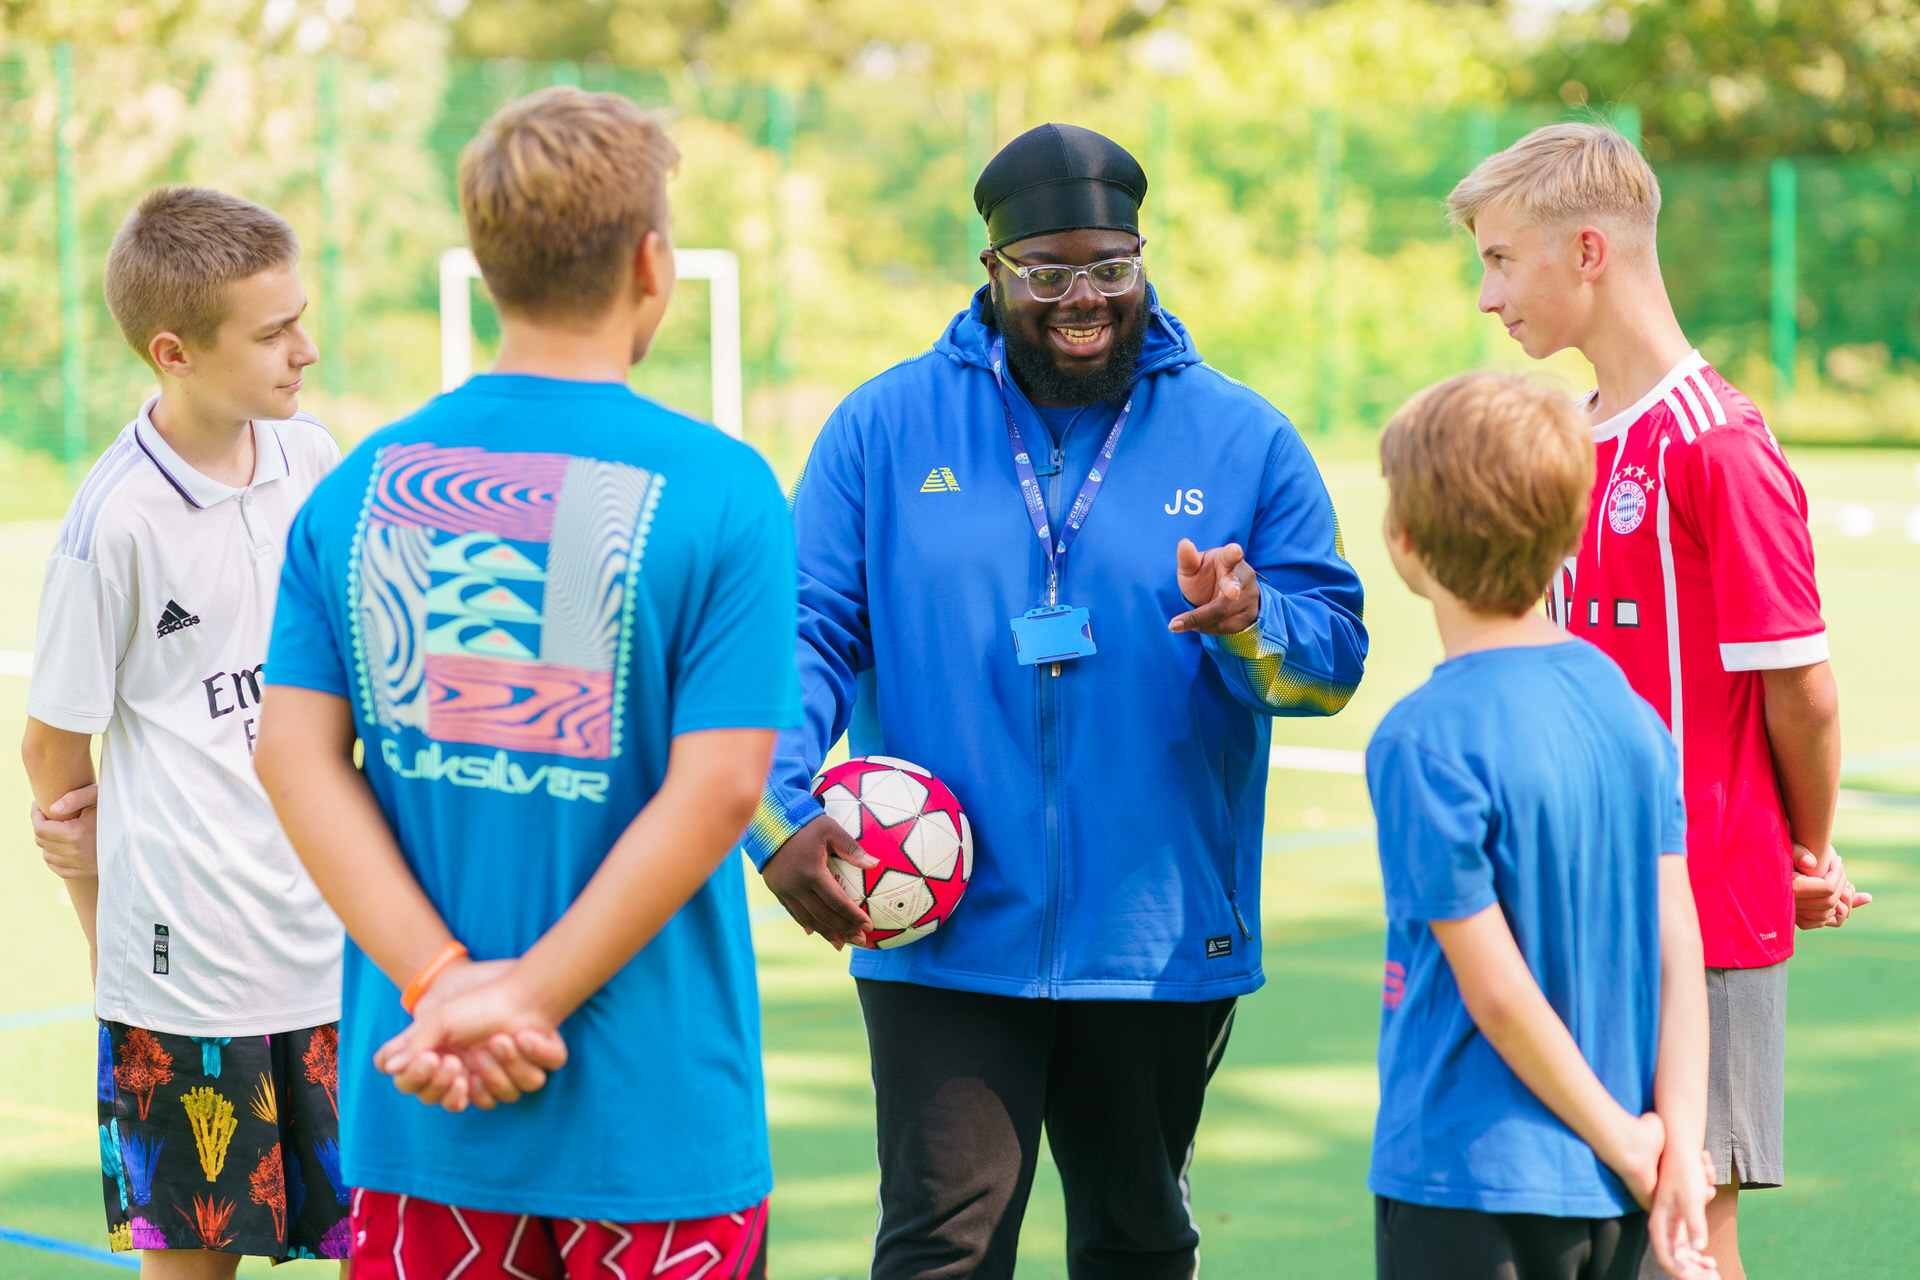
<point>1543,1043</point>
<point>559,619</point>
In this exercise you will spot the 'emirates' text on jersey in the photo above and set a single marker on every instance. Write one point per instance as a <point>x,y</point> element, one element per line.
<point>153,630</point>
<point>1696,575</point>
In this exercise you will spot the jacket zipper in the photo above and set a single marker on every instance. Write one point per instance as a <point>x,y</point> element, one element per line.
<point>1050,758</point>
<point>1233,874</point>
<point>1233,901</point>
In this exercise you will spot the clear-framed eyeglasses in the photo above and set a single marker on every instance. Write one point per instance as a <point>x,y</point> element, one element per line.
<point>1050,282</point>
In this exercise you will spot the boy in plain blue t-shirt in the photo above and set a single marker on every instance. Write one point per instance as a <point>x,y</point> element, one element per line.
<point>560,621</point>
<point>1543,1041</point>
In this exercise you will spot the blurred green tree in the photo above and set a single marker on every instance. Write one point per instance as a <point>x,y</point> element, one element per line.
<point>318,109</point>
<point>656,34</point>
<point>1299,154</point>
<point>1726,78</point>
<point>1374,48</point>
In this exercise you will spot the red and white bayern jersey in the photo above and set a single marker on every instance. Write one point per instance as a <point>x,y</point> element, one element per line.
<point>1696,575</point>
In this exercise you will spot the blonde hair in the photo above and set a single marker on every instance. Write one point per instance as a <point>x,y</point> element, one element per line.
<point>175,255</point>
<point>557,190</point>
<point>1563,174</point>
<point>1489,476</point>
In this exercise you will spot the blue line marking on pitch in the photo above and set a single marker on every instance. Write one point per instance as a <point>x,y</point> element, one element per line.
<point>48,1244</point>
<point>45,1017</point>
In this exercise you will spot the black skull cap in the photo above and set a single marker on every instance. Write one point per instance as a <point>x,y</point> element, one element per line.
<point>1059,177</point>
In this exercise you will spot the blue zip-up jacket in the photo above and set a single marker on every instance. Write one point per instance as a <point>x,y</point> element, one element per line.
<point>1117,808</point>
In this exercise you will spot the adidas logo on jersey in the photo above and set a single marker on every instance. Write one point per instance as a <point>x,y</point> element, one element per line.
<point>173,619</point>
<point>940,480</point>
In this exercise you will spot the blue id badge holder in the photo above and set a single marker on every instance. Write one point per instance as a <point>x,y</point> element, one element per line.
<point>1052,635</point>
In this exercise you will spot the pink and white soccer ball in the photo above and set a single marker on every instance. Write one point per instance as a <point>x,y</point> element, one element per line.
<point>905,817</point>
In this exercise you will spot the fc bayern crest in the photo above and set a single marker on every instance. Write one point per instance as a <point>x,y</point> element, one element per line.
<point>1626,506</point>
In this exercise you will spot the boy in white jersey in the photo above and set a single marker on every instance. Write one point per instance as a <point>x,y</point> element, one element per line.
<point>217,963</point>
<point>1696,576</point>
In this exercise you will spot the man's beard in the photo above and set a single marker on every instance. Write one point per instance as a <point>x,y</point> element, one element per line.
<point>1033,367</point>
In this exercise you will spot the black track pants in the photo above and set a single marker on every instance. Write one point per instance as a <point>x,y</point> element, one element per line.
<point>1419,1242</point>
<point>963,1085</point>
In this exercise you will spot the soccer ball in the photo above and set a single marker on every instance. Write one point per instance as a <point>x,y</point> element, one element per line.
<point>905,817</point>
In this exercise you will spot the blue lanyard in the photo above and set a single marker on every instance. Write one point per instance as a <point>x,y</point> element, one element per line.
<point>1030,483</point>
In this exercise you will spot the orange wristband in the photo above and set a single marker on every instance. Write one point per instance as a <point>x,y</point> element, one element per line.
<point>428,972</point>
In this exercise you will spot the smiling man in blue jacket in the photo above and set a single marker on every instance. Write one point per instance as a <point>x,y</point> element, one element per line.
<point>1096,690</point>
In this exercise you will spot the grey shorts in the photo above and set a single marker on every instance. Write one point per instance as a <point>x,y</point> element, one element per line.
<point>1746,1081</point>
<point>1747,1075</point>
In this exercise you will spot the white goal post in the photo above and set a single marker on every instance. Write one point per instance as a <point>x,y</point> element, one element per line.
<point>719,267</point>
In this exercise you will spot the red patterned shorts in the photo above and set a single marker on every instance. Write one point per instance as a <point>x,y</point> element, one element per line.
<point>399,1237</point>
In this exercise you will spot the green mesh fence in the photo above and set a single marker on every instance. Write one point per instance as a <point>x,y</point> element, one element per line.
<point>1307,251</point>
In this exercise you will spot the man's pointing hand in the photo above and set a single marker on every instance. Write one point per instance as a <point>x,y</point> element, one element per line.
<point>1221,585</point>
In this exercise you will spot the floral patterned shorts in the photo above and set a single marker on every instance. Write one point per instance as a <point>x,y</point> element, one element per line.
<point>223,1143</point>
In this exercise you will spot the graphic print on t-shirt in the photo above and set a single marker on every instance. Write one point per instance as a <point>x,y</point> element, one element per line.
<point>492,595</point>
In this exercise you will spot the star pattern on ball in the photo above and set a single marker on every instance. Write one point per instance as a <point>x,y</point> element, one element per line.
<point>909,821</point>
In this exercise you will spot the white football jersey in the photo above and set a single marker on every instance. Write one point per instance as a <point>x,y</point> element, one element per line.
<point>153,630</point>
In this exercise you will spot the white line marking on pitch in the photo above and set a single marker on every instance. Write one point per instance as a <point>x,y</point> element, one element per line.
<point>1861,519</point>
<point>1316,759</point>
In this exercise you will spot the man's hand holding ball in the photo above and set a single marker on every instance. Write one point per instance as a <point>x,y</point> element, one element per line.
<point>798,876</point>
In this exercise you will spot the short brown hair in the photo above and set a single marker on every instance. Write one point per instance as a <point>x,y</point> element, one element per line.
<point>1563,174</point>
<point>175,255</point>
<point>557,189</point>
<point>1489,475</point>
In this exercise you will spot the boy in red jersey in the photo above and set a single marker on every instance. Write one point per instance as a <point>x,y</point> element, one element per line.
<point>1695,575</point>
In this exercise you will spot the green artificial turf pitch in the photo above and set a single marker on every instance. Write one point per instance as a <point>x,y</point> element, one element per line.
<point>1278,1175</point>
